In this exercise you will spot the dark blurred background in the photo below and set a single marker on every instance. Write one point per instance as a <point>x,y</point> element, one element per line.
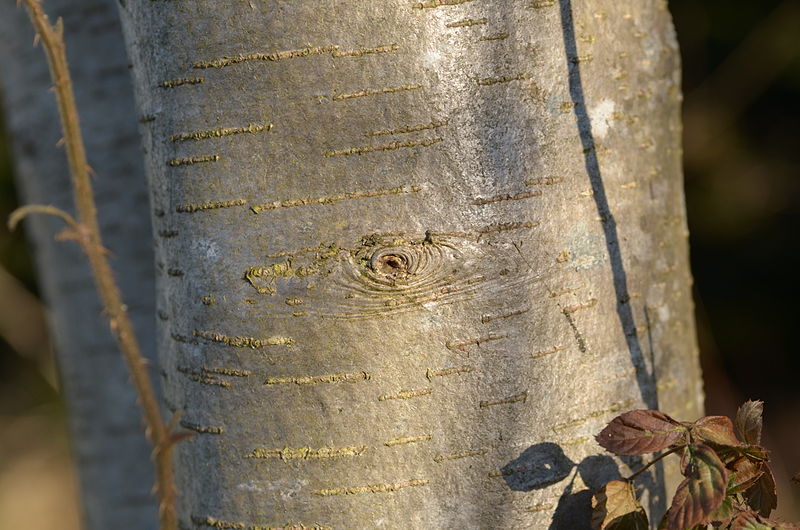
<point>741,67</point>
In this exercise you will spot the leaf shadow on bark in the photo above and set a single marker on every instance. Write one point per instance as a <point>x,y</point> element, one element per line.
<point>545,464</point>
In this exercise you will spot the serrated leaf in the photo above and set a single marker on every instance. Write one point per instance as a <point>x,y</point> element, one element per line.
<point>640,432</point>
<point>730,454</point>
<point>748,521</point>
<point>749,421</point>
<point>762,496</point>
<point>615,507</point>
<point>753,521</point>
<point>701,492</point>
<point>754,452</point>
<point>716,430</point>
<point>745,473</point>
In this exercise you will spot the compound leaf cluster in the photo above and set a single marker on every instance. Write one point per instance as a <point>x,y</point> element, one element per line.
<point>727,479</point>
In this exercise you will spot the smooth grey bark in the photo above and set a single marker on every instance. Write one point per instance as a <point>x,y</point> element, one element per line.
<point>413,255</point>
<point>109,446</point>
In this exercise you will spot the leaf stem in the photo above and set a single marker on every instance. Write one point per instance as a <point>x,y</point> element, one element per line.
<point>89,238</point>
<point>655,460</point>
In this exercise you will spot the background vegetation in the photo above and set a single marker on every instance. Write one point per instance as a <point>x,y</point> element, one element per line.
<point>742,109</point>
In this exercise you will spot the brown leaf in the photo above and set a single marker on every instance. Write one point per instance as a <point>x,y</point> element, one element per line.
<point>730,454</point>
<point>615,507</point>
<point>753,521</point>
<point>748,521</point>
<point>701,492</point>
<point>796,478</point>
<point>754,452</point>
<point>762,496</point>
<point>716,430</point>
<point>639,432</point>
<point>749,421</point>
<point>745,473</point>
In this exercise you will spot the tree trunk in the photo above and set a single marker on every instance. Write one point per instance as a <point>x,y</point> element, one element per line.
<point>107,434</point>
<point>412,255</point>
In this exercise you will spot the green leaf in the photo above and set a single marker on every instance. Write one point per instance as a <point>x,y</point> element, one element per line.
<point>762,496</point>
<point>749,422</point>
<point>715,430</point>
<point>725,513</point>
<point>701,493</point>
<point>640,432</point>
<point>615,507</point>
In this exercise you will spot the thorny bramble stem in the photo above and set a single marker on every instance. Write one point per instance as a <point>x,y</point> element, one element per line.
<point>87,232</point>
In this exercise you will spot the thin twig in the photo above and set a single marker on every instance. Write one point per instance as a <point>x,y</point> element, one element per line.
<point>88,235</point>
<point>653,461</point>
